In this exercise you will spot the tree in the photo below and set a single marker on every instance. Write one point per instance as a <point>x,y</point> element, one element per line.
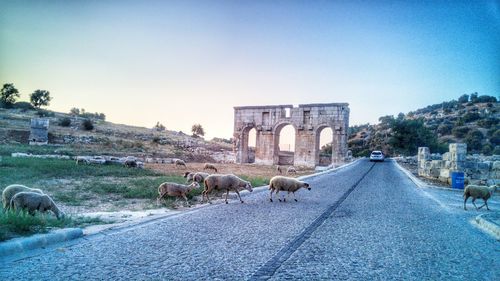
<point>74,111</point>
<point>463,99</point>
<point>40,97</point>
<point>197,130</point>
<point>159,127</point>
<point>8,95</point>
<point>408,135</point>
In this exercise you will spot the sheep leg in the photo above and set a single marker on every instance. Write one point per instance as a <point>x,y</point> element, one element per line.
<point>294,198</point>
<point>227,193</point>
<point>474,199</point>
<point>271,195</point>
<point>465,201</point>
<point>237,192</point>
<point>277,191</point>
<point>486,203</point>
<point>186,199</point>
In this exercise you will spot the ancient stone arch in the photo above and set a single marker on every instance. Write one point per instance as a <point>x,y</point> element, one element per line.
<point>307,119</point>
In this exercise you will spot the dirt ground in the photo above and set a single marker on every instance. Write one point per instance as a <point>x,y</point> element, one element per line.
<point>250,170</point>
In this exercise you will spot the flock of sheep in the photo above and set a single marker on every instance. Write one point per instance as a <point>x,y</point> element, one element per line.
<point>225,183</point>
<point>19,197</point>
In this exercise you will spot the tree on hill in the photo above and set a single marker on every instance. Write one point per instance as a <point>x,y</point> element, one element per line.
<point>197,130</point>
<point>8,95</point>
<point>159,127</point>
<point>40,98</point>
<point>408,135</point>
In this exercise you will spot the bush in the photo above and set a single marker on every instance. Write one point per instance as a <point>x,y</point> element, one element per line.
<point>471,117</point>
<point>460,132</point>
<point>87,125</point>
<point>495,138</point>
<point>487,149</point>
<point>474,140</point>
<point>444,129</point>
<point>45,113</point>
<point>496,151</point>
<point>65,122</point>
<point>487,122</point>
<point>23,105</point>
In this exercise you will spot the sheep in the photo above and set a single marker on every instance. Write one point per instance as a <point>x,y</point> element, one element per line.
<point>200,177</point>
<point>278,183</point>
<point>479,191</point>
<point>130,163</point>
<point>33,201</point>
<point>225,183</point>
<point>188,176</point>
<point>175,189</point>
<point>279,170</point>
<point>209,166</point>
<point>291,170</point>
<point>179,162</point>
<point>12,190</point>
<point>82,159</point>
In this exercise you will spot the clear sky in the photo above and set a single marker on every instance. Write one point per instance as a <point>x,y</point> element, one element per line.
<point>186,62</point>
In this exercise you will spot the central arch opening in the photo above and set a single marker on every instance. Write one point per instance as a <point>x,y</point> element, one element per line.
<point>324,146</point>
<point>252,144</point>
<point>285,145</point>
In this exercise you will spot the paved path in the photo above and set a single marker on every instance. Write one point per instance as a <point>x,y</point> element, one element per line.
<point>366,222</point>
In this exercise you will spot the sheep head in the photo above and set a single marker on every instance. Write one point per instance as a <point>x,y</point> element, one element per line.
<point>248,186</point>
<point>306,185</point>
<point>192,186</point>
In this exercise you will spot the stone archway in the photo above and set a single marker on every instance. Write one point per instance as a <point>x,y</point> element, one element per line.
<point>280,157</point>
<point>307,119</point>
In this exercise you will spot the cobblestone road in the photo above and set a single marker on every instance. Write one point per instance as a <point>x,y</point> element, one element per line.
<point>384,229</point>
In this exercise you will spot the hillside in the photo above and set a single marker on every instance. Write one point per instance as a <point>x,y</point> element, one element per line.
<point>67,135</point>
<point>470,119</point>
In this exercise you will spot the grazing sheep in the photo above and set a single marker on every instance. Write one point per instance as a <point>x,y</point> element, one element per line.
<point>279,170</point>
<point>225,183</point>
<point>175,189</point>
<point>82,159</point>
<point>278,183</point>
<point>33,201</point>
<point>179,162</point>
<point>209,166</point>
<point>12,190</point>
<point>189,176</point>
<point>130,163</point>
<point>200,177</point>
<point>291,170</point>
<point>478,191</point>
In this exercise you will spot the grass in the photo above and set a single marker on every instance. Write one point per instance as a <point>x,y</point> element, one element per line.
<point>256,181</point>
<point>13,225</point>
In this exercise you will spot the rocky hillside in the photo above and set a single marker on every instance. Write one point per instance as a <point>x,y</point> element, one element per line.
<point>471,119</point>
<point>69,134</point>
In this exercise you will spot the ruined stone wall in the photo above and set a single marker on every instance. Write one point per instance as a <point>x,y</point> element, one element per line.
<point>308,121</point>
<point>477,169</point>
<point>39,133</point>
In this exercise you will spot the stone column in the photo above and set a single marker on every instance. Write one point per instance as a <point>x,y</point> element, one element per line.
<point>458,153</point>
<point>264,148</point>
<point>305,149</point>
<point>423,156</point>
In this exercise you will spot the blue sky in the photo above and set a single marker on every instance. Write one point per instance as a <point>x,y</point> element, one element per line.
<point>186,62</point>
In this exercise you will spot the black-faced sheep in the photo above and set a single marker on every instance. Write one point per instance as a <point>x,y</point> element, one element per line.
<point>291,170</point>
<point>32,201</point>
<point>175,189</point>
<point>188,176</point>
<point>209,166</point>
<point>225,183</point>
<point>179,162</point>
<point>478,191</point>
<point>280,183</point>
<point>279,170</point>
<point>12,190</point>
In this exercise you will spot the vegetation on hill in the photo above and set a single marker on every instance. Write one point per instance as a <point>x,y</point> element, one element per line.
<point>472,119</point>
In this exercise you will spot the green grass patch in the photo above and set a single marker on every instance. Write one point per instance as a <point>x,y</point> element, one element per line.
<point>256,181</point>
<point>14,224</point>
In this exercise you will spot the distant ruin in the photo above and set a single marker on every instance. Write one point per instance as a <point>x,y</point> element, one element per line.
<point>308,121</point>
<point>39,134</point>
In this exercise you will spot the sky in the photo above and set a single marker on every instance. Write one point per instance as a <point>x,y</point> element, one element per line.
<point>186,62</point>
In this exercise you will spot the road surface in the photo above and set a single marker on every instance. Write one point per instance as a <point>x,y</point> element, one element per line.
<point>364,222</point>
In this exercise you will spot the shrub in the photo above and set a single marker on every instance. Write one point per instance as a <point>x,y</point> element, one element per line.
<point>460,132</point>
<point>444,129</point>
<point>495,138</point>
<point>23,105</point>
<point>470,117</point>
<point>65,122</point>
<point>87,125</point>
<point>45,113</point>
<point>487,149</point>
<point>496,151</point>
<point>474,140</point>
<point>487,122</point>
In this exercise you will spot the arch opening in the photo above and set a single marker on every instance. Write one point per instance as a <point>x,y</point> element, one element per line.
<point>284,147</point>
<point>249,139</point>
<point>324,146</point>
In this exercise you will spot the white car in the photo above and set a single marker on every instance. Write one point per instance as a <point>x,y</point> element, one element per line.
<point>377,155</point>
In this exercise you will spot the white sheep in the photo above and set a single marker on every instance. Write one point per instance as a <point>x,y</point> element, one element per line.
<point>209,166</point>
<point>291,170</point>
<point>12,190</point>
<point>281,183</point>
<point>225,183</point>
<point>179,162</point>
<point>175,189</point>
<point>82,159</point>
<point>478,191</point>
<point>32,201</point>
